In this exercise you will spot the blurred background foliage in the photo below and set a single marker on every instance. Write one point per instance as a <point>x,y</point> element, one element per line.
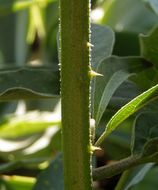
<point>30,129</point>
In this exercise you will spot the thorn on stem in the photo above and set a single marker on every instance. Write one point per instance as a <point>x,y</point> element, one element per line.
<point>93,148</point>
<point>94,74</point>
<point>89,44</point>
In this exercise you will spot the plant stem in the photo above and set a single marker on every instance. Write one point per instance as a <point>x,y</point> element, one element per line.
<point>122,180</point>
<point>75,81</point>
<point>118,167</point>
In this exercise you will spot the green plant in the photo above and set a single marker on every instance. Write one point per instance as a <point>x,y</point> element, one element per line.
<point>107,75</point>
<point>75,81</point>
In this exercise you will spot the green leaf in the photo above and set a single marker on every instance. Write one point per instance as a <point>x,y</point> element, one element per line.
<point>10,146</point>
<point>102,41</point>
<point>149,46</point>
<point>137,174</point>
<point>146,78</point>
<point>129,109</point>
<point>10,5</point>
<point>39,145</point>
<point>128,15</point>
<point>7,39</point>
<point>145,133</point>
<point>28,83</point>
<point>126,92</point>
<point>10,166</point>
<point>151,149</point>
<point>153,4</point>
<point>52,177</point>
<point>36,12</point>
<point>14,126</point>
<point>145,136</point>
<point>150,180</point>
<point>18,182</point>
<point>133,176</point>
<point>115,71</point>
<point>152,107</point>
<point>120,140</point>
<point>116,80</point>
<point>17,5</point>
<point>121,48</point>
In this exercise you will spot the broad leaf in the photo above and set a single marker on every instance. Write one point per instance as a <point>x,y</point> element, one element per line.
<point>16,5</point>
<point>17,182</point>
<point>9,146</point>
<point>7,36</point>
<point>152,107</point>
<point>126,92</point>
<point>145,131</point>
<point>116,80</point>
<point>52,177</point>
<point>28,83</point>
<point>153,4</point>
<point>145,136</point>
<point>122,49</point>
<point>134,176</point>
<point>115,71</point>
<point>14,126</point>
<point>129,109</point>
<point>150,181</point>
<point>9,5</point>
<point>149,46</point>
<point>146,78</point>
<point>39,145</point>
<point>103,41</point>
<point>10,166</point>
<point>151,150</point>
<point>128,15</point>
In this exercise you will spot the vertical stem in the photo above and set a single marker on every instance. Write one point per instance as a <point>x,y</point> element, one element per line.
<point>75,80</point>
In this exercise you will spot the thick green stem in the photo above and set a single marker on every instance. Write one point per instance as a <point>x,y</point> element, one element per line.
<point>75,81</point>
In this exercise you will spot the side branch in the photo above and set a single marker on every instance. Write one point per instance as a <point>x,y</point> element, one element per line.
<point>116,168</point>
